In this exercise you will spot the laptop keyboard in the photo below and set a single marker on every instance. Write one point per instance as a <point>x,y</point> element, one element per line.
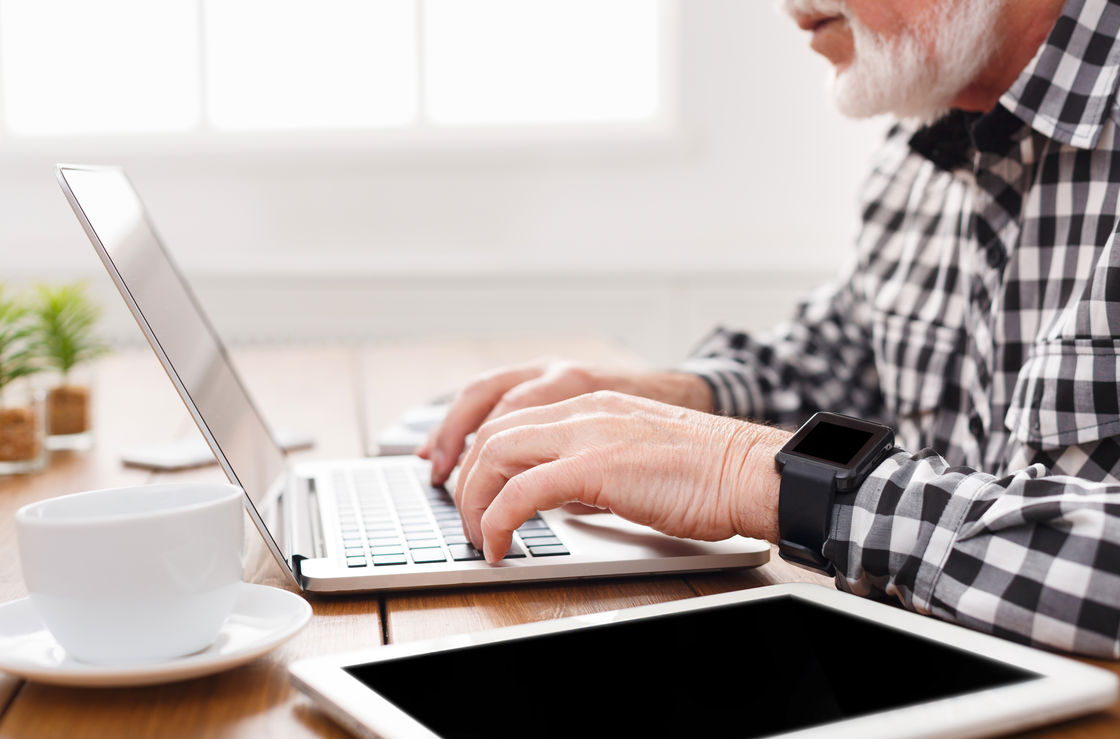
<point>392,516</point>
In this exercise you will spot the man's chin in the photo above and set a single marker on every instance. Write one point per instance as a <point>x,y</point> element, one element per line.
<point>921,115</point>
<point>861,100</point>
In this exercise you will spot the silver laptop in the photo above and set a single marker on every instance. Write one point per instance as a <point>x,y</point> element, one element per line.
<point>359,524</point>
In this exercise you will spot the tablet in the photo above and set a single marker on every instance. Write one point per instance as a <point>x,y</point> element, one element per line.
<point>793,659</point>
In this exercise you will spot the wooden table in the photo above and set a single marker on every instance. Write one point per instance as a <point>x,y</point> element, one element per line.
<point>341,394</point>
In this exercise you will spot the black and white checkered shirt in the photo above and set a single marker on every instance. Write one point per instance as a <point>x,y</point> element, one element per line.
<point>980,318</point>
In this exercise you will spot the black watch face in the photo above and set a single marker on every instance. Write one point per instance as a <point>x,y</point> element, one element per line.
<point>837,440</point>
<point>833,443</point>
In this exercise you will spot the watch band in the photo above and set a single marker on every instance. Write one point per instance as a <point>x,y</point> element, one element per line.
<point>805,515</point>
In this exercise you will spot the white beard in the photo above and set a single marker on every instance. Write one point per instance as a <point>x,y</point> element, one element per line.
<point>901,76</point>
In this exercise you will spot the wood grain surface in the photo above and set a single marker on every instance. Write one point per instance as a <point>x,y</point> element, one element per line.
<point>341,394</point>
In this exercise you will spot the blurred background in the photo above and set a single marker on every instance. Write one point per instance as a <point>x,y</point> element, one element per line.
<point>357,169</point>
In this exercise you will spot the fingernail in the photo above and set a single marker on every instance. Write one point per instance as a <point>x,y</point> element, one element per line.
<point>439,474</point>
<point>470,537</point>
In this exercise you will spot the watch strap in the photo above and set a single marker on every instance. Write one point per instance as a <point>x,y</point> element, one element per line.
<point>805,515</point>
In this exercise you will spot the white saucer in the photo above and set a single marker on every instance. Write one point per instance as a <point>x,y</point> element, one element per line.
<point>263,618</point>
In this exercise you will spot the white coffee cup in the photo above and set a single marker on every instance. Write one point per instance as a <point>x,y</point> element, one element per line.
<point>137,574</point>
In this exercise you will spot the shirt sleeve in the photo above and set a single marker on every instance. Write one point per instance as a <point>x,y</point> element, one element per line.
<point>1033,556</point>
<point>821,360</point>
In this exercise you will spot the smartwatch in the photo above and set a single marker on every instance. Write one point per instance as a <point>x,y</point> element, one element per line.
<point>830,455</point>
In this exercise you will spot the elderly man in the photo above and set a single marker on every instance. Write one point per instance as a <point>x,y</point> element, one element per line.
<point>980,318</point>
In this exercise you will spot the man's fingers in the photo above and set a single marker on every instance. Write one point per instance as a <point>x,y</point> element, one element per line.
<point>582,509</point>
<point>541,488</point>
<point>499,457</point>
<point>538,391</point>
<point>466,414</point>
<point>555,384</point>
<point>532,416</point>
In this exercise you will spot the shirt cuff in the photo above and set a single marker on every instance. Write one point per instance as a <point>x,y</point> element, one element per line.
<point>734,389</point>
<point>848,523</point>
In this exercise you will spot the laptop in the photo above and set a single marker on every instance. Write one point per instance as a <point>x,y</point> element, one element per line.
<point>350,525</point>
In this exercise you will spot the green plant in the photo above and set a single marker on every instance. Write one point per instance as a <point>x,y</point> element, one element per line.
<point>62,320</point>
<point>17,354</point>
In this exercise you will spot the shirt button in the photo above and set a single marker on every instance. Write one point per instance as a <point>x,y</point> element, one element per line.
<point>976,426</point>
<point>995,256</point>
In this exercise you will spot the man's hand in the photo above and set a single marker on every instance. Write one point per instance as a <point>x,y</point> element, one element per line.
<point>502,391</point>
<point>685,473</point>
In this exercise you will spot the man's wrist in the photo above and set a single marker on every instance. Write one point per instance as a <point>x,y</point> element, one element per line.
<point>750,464</point>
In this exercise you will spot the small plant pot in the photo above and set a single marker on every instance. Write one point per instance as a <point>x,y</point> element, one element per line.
<point>69,416</point>
<point>22,433</point>
<point>70,410</point>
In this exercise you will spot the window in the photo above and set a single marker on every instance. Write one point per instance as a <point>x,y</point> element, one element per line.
<point>76,67</point>
<point>85,67</point>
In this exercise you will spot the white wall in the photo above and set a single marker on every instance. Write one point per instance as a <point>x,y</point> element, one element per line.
<point>751,201</point>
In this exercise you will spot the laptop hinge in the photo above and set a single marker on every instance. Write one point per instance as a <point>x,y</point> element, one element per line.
<point>306,527</point>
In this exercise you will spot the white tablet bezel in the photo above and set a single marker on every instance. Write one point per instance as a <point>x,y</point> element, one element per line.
<point>1068,688</point>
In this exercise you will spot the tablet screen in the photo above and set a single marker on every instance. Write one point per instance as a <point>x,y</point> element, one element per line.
<point>747,669</point>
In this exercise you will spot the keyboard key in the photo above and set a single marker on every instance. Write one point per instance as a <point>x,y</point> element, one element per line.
<point>427,554</point>
<point>356,562</point>
<point>464,552</point>
<point>536,534</point>
<point>541,541</point>
<point>552,550</point>
<point>533,523</point>
<point>386,549</point>
<point>381,519</point>
<point>514,552</point>
<point>381,560</point>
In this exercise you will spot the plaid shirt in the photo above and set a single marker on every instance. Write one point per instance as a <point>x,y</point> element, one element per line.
<point>981,318</point>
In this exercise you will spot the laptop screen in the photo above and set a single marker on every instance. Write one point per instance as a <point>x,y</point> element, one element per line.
<point>175,324</point>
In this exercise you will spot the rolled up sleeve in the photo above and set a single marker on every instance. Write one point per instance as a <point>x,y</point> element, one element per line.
<point>1029,556</point>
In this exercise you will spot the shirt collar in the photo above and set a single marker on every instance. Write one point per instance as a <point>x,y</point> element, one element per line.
<point>1067,91</point>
